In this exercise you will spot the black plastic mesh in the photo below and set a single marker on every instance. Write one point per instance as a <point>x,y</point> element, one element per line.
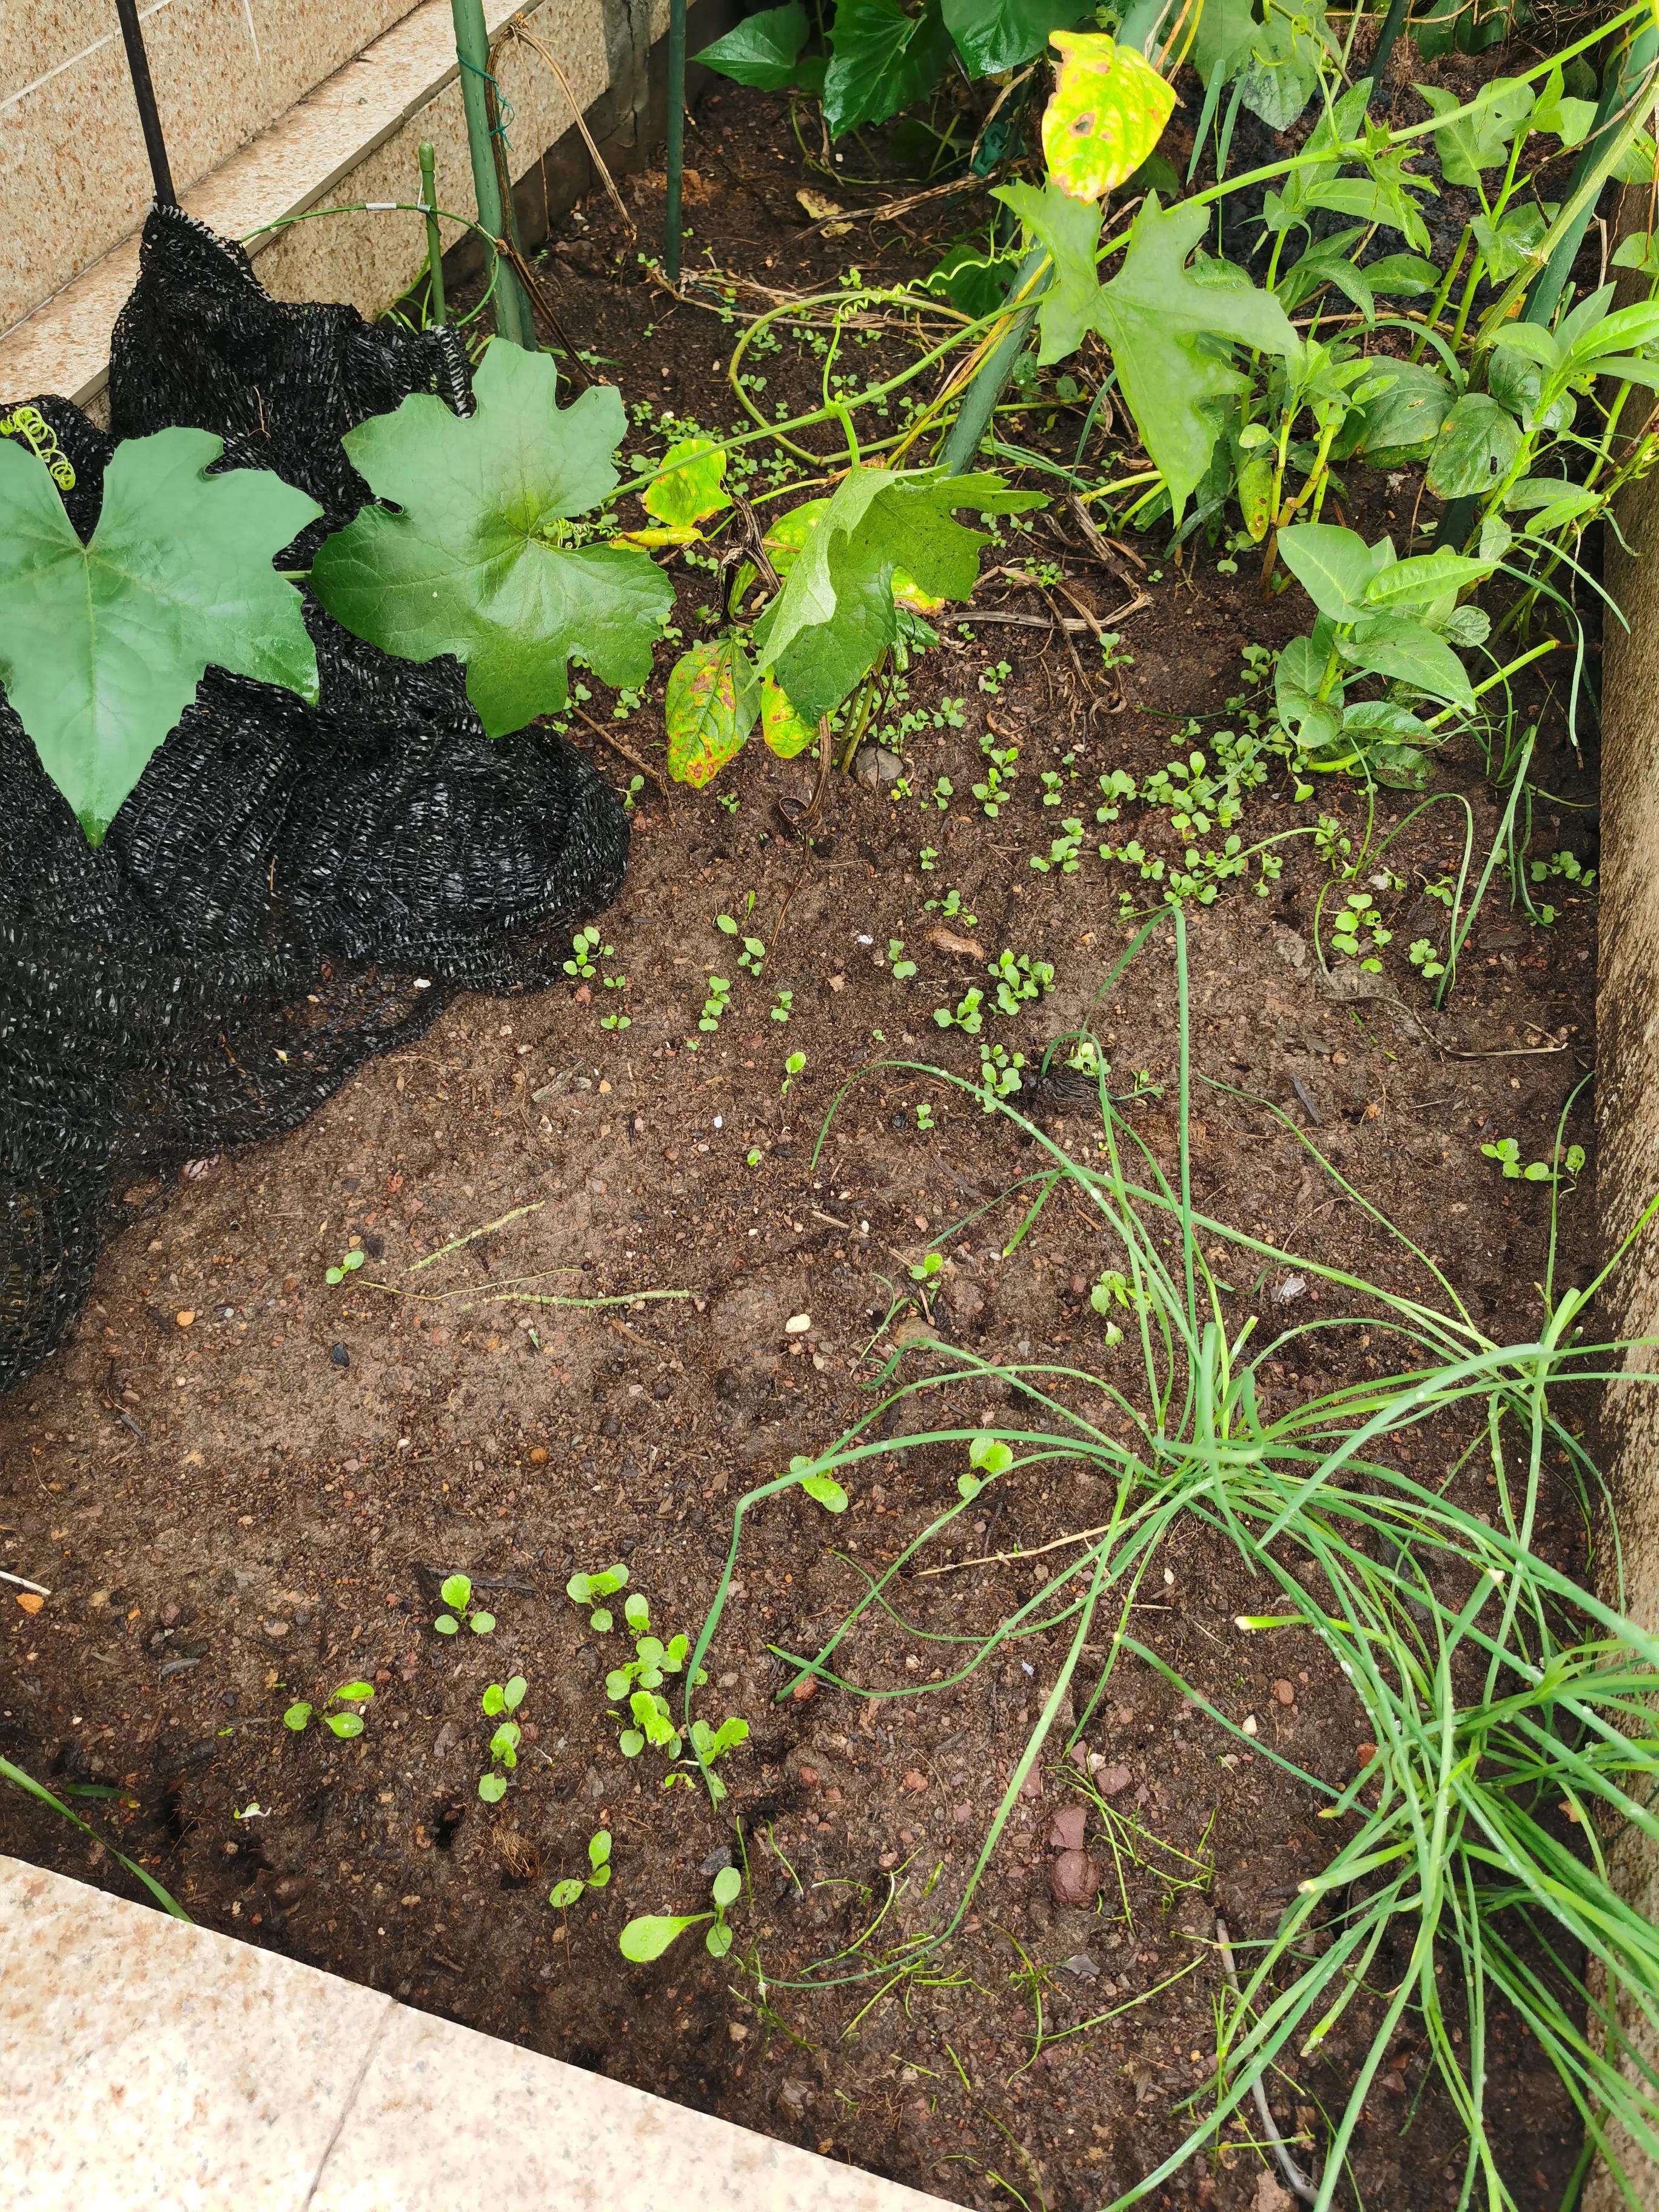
<point>289,889</point>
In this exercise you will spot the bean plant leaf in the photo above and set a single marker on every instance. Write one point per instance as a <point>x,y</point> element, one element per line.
<point>1409,652</point>
<point>689,491</point>
<point>1335,567</point>
<point>713,698</point>
<point>1478,442</point>
<point>761,51</point>
<point>1107,113</point>
<point>835,614</point>
<point>650,1935</point>
<point>1402,421</point>
<point>786,732</point>
<point>1166,332</point>
<point>103,644</point>
<point>992,35</point>
<point>478,559</point>
<point>881,59</point>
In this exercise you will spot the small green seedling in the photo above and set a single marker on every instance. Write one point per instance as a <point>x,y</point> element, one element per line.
<point>925,1116</point>
<point>711,1744</point>
<point>564,1895</point>
<point>792,1068</point>
<point>1507,1154</point>
<point>753,954</point>
<point>928,1268</point>
<point>988,1457</point>
<point>901,968</point>
<point>650,1935</point>
<point>344,1725</point>
<point>456,1591</point>
<point>714,1006</point>
<point>1422,956</point>
<point>584,947</point>
<point>348,1265</point>
<point>501,1698</point>
<point>594,1589</point>
<point>784,1007</point>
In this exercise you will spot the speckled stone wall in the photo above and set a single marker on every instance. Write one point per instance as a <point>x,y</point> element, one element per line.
<point>73,176</point>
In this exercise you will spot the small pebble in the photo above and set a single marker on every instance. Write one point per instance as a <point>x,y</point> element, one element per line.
<point>339,1355</point>
<point>1283,1694</point>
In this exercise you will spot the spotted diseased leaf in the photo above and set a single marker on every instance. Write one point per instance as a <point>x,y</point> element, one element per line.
<point>689,491</point>
<point>475,557</point>
<point>103,644</point>
<point>713,699</point>
<point>1166,330</point>
<point>835,614</point>
<point>1107,113</point>
<point>786,732</point>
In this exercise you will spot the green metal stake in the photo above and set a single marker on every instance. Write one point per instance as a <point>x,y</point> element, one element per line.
<point>672,241</point>
<point>513,317</point>
<point>434,247</point>
<point>979,401</point>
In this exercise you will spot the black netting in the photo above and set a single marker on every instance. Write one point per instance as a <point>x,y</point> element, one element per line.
<point>289,889</point>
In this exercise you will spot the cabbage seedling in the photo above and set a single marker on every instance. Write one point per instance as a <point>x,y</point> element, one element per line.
<point>594,1589</point>
<point>456,1591</point>
<point>344,1725</point>
<point>650,1935</point>
<point>564,1895</point>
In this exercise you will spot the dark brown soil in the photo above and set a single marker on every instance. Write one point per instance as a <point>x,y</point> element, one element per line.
<point>242,1486</point>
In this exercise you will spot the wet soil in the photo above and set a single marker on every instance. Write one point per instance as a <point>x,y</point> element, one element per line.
<point>243,1486</point>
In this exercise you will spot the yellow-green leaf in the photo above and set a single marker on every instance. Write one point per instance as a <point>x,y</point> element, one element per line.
<point>711,701</point>
<point>688,491</point>
<point>683,533</point>
<point>786,731</point>
<point>1107,112</point>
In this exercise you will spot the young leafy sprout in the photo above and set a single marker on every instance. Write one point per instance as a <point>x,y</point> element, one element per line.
<point>650,1935</point>
<point>456,1591</point>
<point>564,1895</point>
<point>989,1457</point>
<point>1507,1154</point>
<point>792,1068</point>
<point>348,1265</point>
<point>928,1268</point>
<point>711,1744</point>
<point>343,1724</point>
<point>594,1589</point>
<point>501,1698</point>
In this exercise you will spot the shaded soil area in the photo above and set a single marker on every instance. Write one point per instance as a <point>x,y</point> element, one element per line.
<point>243,1486</point>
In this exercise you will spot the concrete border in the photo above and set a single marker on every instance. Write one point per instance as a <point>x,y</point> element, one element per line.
<point>150,2066</point>
<point>355,138</point>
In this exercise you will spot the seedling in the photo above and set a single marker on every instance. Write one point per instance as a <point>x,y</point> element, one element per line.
<point>943,792</point>
<point>1019,980</point>
<point>1000,774</point>
<point>752,1159</point>
<point>928,1268</point>
<point>950,909</point>
<point>719,996</point>
<point>650,1935</point>
<point>456,1591</point>
<point>989,1457</point>
<point>1065,851</point>
<point>999,1072</point>
<point>711,1744</point>
<point>1358,922</point>
<point>927,858</point>
<point>584,945</point>
<point>993,679</point>
<point>594,1589</point>
<point>753,954</point>
<point>903,969</point>
<point>344,1725</point>
<point>925,1116</point>
<point>348,1265</point>
<point>967,1015</point>
<point>501,1698</point>
<point>792,1068</point>
<point>1422,956</point>
<point>564,1895</point>
<point>1507,1154</point>
<point>783,1006</point>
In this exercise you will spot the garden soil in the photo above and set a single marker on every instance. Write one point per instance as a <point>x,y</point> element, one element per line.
<point>242,1486</point>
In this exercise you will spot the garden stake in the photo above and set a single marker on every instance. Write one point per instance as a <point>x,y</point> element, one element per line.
<point>671,244</point>
<point>434,250</point>
<point>143,92</point>
<point>513,318</point>
<point>979,401</point>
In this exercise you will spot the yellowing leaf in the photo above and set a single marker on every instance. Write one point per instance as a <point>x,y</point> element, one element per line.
<point>1107,112</point>
<point>710,709</point>
<point>908,595</point>
<point>816,205</point>
<point>689,490</point>
<point>685,533</point>
<point>785,732</point>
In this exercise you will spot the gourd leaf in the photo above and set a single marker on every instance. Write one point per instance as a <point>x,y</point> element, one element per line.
<point>761,51</point>
<point>992,35</point>
<point>835,614</point>
<point>1070,229</point>
<point>1480,139</point>
<point>881,59</point>
<point>103,644</point>
<point>1402,421</point>
<point>786,732</point>
<point>1107,113</point>
<point>711,701</point>
<point>1163,326</point>
<point>689,490</point>
<point>476,560</point>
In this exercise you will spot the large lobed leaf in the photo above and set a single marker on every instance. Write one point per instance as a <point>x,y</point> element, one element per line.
<point>835,614</point>
<point>102,644</point>
<point>476,562</point>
